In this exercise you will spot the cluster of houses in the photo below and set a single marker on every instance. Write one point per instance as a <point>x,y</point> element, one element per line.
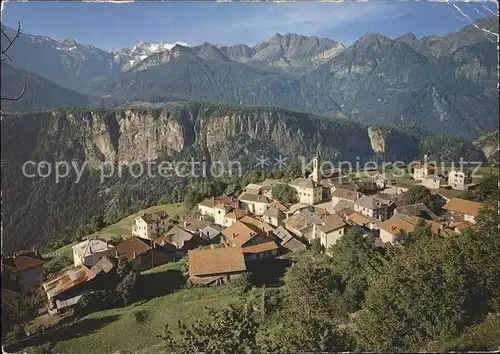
<point>231,233</point>
<point>325,211</point>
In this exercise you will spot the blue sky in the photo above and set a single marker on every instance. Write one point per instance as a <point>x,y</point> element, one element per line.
<point>112,26</point>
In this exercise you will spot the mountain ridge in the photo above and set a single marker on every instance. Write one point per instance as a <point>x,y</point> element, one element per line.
<point>445,84</point>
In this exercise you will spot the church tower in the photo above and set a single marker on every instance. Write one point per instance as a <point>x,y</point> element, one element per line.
<point>316,172</point>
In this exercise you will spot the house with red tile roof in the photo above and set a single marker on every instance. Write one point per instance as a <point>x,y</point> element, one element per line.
<point>142,253</point>
<point>215,265</point>
<point>255,241</point>
<point>458,210</point>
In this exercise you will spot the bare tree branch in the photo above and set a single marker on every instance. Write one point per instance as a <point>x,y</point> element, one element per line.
<point>5,56</point>
<point>15,98</point>
<point>10,40</point>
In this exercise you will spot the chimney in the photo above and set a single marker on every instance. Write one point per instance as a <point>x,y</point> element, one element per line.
<point>116,254</point>
<point>186,223</point>
<point>135,255</point>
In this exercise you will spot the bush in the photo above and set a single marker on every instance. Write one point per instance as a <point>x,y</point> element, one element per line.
<point>96,301</point>
<point>116,239</point>
<point>141,316</point>
<point>242,282</point>
<point>56,265</point>
<point>284,193</point>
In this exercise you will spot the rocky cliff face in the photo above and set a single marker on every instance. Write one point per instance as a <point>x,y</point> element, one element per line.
<point>489,143</point>
<point>39,209</point>
<point>139,133</point>
<point>147,132</point>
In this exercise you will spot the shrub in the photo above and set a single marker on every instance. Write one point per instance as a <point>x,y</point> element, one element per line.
<point>242,282</point>
<point>141,316</point>
<point>56,265</point>
<point>96,301</point>
<point>116,239</point>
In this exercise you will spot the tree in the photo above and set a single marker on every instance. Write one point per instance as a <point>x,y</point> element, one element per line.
<point>116,239</point>
<point>426,293</point>
<point>420,194</point>
<point>354,257</point>
<point>422,230</point>
<point>123,268</point>
<point>18,308</point>
<point>313,289</point>
<point>4,56</point>
<point>230,330</point>
<point>298,334</point>
<point>126,286</point>
<point>284,193</point>
<point>317,247</point>
<point>487,189</point>
<point>292,171</point>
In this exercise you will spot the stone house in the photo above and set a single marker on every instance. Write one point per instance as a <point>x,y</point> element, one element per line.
<point>460,180</point>
<point>233,216</point>
<point>288,242</point>
<point>421,172</point>
<point>341,194</point>
<point>332,230</point>
<point>85,252</point>
<point>182,239</point>
<point>395,190</point>
<point>434,182</point>
<point>253,188</point>
<point>302,226</point>
<point>273,216</point>
<point>212,234</point>
<point>150,225</point>
<point>374,207</point>
<point>419,210</point>
<point>253,203</point>
<point>217,207</point>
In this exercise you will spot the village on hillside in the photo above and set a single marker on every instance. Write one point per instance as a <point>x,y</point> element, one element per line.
<point>231,234</point>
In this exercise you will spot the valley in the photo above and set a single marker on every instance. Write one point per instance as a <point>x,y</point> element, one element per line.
<point>320,179</point>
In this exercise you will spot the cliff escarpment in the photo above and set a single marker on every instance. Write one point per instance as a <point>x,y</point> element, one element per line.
<point>40,209</point>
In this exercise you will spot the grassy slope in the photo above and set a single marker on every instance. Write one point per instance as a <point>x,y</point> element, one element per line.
<point>117,329</point>
<point>122,227</point>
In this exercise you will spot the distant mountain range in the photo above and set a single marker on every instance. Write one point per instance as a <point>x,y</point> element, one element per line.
<point>446,84</point>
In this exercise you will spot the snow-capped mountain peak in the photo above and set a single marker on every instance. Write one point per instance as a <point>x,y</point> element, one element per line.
<point>128,57</point>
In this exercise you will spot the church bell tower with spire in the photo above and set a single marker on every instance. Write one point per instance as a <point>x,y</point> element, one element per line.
<point>316,172</point>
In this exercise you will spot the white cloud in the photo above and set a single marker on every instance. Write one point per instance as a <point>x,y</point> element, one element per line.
<point>262,20</point>
<point>317,17</point>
